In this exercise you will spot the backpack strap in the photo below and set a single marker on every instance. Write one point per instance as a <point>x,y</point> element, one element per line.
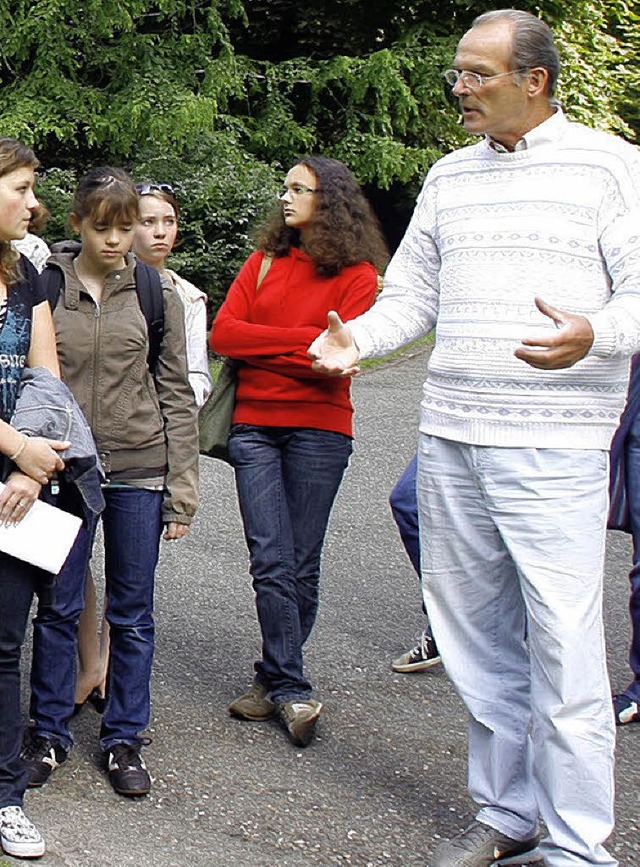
<point>267,261</point>
<point>149,291</point>
<point>51,279</point>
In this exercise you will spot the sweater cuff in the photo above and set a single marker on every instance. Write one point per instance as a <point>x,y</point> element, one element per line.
<point>362,339</point>
<point>604,335</point>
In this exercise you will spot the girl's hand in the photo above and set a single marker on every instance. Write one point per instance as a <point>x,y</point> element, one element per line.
<point>173,530</point>
<point>19,494</point>
<point>39,458</point>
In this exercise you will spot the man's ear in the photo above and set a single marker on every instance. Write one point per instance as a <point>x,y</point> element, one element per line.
<point>538,79</point>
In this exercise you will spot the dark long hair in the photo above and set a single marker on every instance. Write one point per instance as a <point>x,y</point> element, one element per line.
<point>344,229</point>
<point>13,155</point>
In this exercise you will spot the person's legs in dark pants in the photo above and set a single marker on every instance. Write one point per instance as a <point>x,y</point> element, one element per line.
<point>18,836</point>
<point>627,703</point>
<point>132,523</point>
<point>53,666</point>
<point>17,584</point>
<point>287,479</point>
<point>404,508</point>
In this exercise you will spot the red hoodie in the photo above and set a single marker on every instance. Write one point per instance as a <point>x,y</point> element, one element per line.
<point>271,329</point>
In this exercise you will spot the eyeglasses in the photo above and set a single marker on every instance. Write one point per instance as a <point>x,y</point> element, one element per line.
<point>295,190</point>
<point>473,80</point>
<point>148,189</point>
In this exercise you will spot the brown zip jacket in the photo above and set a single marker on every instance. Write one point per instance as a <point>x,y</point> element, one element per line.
<point>145,425</point>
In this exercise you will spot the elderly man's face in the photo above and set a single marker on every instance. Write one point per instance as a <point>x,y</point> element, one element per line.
<point>498,107</point>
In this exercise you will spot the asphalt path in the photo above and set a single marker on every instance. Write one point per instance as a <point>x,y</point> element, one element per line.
<point>385,779</point>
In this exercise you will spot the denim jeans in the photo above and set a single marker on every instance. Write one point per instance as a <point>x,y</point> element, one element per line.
<point>17,584</point>
<point>287,480</point>
<point>632,474</point>
<point>517,536</point>
<point>404,508</point>
<point>132,524</point>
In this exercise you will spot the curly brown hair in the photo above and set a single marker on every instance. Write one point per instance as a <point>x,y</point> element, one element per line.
<point>344,229</point>
<point>13,155</point>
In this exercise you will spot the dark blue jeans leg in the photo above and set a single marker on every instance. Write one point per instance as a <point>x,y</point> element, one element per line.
<point>17,582</point>
<point>632,470</point>
<point>287,480</point>
<point>132,522</point>
<point>55,640</point>
<point>404,508</point>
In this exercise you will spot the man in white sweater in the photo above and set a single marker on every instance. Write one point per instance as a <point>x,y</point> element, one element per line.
<point>524,254</point>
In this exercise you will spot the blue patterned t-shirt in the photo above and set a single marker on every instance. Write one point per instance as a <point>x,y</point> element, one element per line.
<point>15,334</point>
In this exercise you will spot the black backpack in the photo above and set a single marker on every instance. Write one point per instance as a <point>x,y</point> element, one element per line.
<point>149,291</point>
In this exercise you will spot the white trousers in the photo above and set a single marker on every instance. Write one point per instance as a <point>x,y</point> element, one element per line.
<point>513,546</point>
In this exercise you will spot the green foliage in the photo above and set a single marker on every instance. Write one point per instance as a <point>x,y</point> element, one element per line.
<point>222,191</point>
<point>219,97</point>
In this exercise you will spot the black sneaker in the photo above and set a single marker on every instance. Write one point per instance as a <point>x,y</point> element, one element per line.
<point>419,658</point>
<point>625,709</point>
<point>42,756</point>
<point>127,772</point>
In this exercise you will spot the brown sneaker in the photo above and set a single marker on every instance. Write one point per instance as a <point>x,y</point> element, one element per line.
<point>254,704</point>
<point>300,717</point>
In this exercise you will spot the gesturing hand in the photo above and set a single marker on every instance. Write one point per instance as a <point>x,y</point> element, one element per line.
<point>334,352</point>
<point>571,342</point>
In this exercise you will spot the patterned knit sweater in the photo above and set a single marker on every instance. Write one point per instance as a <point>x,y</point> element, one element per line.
<point>559,219</point>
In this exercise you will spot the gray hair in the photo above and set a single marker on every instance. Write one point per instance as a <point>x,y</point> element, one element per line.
<point>533,42</point>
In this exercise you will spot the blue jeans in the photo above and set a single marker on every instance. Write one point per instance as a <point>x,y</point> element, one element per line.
<point>632,471</point>
<point>287,480</point>
<point>17,584</point>
<point>404,508</point>
<point>132,523</point>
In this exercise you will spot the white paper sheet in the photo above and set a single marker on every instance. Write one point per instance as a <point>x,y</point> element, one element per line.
<point>43,537</point>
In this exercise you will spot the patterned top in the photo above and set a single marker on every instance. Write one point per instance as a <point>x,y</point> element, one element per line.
<point>558,219</point>
<point>34,248</point>
<point>15,335</point>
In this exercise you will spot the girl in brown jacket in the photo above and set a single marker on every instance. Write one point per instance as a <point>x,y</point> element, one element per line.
<point>144,424</point>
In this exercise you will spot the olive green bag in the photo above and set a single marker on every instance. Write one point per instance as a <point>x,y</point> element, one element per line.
<point>214,419</point>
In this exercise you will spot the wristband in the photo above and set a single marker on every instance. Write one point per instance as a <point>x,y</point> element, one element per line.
<point>14,457</point>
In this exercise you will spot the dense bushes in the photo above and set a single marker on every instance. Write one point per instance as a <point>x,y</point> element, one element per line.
<point>218,96</point>
<point>223,192</point>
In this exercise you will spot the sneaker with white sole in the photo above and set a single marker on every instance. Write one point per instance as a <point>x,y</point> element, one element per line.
<point>421,657</point>
<point>18,836</point>
<point>128,773</point>
<point>480,845</point>
<point>42,756</point>
<point>625,709</point>
<point>300,717</point>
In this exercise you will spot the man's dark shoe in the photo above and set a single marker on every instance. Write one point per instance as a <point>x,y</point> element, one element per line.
<point>127,772</point>
<point>480,845</point>
<point>42,756</point>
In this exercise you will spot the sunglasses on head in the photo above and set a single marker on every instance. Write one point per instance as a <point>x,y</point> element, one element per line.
<point>147,189</point>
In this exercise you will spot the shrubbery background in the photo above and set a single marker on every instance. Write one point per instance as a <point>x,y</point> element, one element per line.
<point>218,98</point>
